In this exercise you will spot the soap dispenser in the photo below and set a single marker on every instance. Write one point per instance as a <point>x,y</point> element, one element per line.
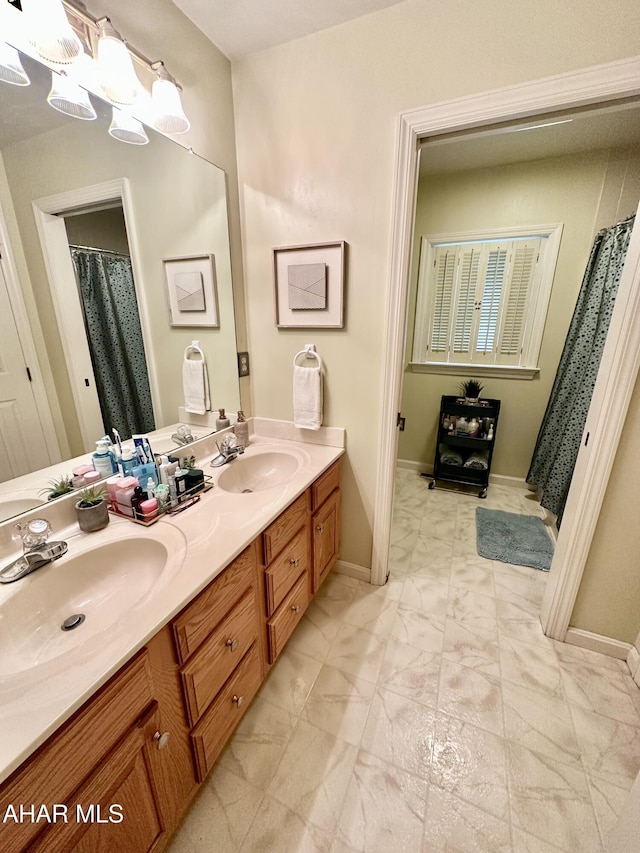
<point>222,421</point>
<point>103,460</point>
<point>241,429</point>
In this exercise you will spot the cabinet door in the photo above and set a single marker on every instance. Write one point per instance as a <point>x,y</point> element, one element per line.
<point>116,807</point>
<point>326,538</point>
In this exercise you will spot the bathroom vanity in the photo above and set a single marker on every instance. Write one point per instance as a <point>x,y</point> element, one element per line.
<point>120,772</point>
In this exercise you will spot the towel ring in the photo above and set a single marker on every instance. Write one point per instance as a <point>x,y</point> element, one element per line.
<point>308,352</point>
<point>194,346</point>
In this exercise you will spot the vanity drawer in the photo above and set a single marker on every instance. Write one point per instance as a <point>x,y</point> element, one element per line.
<point>71,755</point>
<point>207,671</point>
<point>324,485</point>
<point>214,729</point>
<point>280,627</point>
<point>280,532</point>
<point>198,619</point>
<point>285,569</point>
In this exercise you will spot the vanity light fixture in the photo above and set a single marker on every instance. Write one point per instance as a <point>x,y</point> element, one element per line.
<point>11,70</point>
<point>49,31</point>
<point>68,97</point>
<point>166,106</point>
<point>126,128</point>
<point>117,75</point>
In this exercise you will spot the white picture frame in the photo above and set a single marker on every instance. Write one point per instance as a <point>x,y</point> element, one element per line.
<point>309,286</point>
<point>192,291</point>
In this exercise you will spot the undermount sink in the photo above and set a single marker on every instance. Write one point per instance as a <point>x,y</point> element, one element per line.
<point>102,582</point>
<point>260,470</point>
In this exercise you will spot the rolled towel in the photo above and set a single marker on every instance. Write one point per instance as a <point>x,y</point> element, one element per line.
<point>195,384</point>
<point>479,460</point>
<point>449,455</point>
<point>307,397</point>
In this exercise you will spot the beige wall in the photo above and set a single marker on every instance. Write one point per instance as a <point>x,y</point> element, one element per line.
<point>565,190</point>
<point>316,126</point>
<point>102,229</point>
<point>608,601</point>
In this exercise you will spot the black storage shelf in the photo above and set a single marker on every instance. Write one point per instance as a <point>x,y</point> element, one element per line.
<point>487,414</point>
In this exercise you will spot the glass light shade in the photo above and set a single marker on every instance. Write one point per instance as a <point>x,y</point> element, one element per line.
<point>118,78</point>
<point>126,128</point>
<point>11,70</point>
<point>68,97</point>
<point>167,109</point>
<point>49,31</point>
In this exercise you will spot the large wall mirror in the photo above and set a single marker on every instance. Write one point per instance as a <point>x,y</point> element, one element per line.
<point>67,183</point>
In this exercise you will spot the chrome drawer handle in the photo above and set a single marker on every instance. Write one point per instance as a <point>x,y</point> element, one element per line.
<point>295,608</point>
<point>320,528</point>
<point>295,562</point>
<point>162,739</point>
<point>238,700</point>
<point>232,645</point>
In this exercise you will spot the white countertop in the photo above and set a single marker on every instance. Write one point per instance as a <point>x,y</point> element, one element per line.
<point>209,535</point>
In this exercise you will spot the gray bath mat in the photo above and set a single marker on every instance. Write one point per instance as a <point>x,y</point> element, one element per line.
<point>511,538</point>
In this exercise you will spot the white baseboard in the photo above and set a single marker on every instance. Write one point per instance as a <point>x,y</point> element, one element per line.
<point>598,643</point>
<point>496,479</point>
<point>353,570</point>
<point>633,662</point>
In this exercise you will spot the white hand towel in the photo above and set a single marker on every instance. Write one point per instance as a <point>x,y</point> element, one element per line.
<point>307,397</point>
<point>195,384</point>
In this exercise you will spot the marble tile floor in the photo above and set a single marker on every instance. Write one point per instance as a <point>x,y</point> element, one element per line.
<point>428,715</point>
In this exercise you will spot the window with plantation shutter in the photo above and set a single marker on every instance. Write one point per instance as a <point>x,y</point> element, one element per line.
<point>482,300</point>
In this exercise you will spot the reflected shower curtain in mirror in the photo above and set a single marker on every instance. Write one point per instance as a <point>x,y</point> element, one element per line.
<point>112,322</point>
<point>560,435</point>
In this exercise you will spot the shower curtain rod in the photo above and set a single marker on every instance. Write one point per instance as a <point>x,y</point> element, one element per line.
<point>102,251</point>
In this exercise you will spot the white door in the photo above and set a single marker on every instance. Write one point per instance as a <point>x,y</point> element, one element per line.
<point>22,442</point>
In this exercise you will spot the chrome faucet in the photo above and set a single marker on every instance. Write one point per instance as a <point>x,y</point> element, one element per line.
<point>36,550</point>
<point>228,450</point>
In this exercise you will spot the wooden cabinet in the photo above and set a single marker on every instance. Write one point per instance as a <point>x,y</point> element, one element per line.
<point>116,808</point>
<point>287,559</point>
<point>127,765</point>
<point>325,524</point>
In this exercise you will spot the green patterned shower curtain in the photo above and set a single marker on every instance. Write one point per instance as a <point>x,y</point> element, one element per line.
<point>560,435</point>
<point>114,335</point>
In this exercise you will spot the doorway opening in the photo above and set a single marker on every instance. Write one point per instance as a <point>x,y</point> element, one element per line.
<point>619,367</point>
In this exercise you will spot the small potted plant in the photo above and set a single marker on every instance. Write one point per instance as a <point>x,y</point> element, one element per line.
<point>92,510</point>
<point>57,488</point>
<point>471,390</point>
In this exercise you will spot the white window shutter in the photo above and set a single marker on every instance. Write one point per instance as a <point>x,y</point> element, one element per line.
<point>441,305</point>
<point>491,300</point>
<point>465,303</point>
<point>520,284</point>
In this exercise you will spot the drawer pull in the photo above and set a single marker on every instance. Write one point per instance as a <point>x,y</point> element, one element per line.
<point>238,700</point>
<point>232,645</point>
<point>320,528</point>
<point>162,739</point>
<point>295,562</point>
<point>295,608</point>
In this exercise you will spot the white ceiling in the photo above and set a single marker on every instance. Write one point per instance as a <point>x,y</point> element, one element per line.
<point>245,26</point>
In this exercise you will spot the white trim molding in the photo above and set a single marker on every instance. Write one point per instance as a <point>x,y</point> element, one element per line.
<point>352,570</point>
<point>598,643</point>
<point>604,83</point>
<point>500,371</point>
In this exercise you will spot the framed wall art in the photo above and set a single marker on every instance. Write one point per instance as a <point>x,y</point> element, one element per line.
<point>309,286</point>
<point>192,290</point>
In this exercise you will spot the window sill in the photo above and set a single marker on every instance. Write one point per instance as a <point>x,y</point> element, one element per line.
<point>501,371</point>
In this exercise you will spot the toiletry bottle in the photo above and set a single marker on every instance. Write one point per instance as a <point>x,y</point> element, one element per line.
<point>490,433</point>
<point>462,427</point>
<point>127,460</point>
<point>150,488</point>
<point>102,460</point>
<point>241,429</point>
<point>222,421</point>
